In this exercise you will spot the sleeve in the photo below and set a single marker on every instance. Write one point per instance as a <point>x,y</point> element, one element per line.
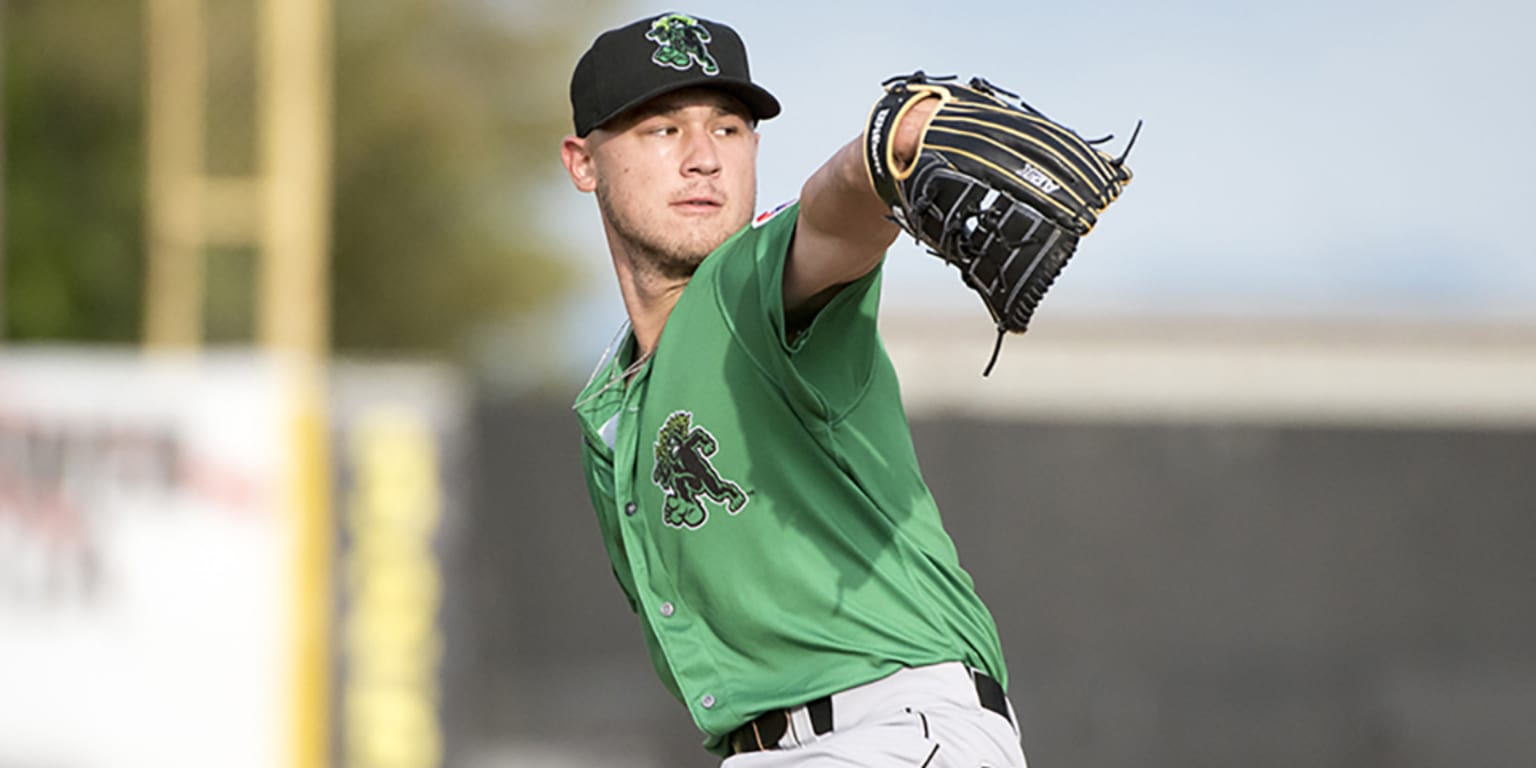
<point>828,367</point>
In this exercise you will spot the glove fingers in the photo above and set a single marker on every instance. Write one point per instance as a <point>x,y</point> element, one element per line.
<point>1069,148</point>
<point>1044,183</point>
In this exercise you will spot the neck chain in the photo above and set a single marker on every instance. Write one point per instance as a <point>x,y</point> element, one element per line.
<point>614,377</point>
<point>633,367</point>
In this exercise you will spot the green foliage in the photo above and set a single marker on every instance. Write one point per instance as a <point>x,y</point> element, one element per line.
<point>458,113</point>
<point>447,125</point>
<point>74,190</point>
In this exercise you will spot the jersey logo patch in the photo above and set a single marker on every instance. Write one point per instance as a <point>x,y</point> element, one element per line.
<point>767,216</point>
<point>684,473</point>
<point>680,42</point>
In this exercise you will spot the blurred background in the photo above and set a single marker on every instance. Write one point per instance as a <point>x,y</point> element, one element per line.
<point>294,298</point>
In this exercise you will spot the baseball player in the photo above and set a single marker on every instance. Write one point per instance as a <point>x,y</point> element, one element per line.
<point>744,443</point>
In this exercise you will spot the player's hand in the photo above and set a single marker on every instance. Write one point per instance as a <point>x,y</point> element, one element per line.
<point>909,131</point>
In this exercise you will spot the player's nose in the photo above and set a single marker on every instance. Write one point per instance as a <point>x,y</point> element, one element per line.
<point>702,156</point>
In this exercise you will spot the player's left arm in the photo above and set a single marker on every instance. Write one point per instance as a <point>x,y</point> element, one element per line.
<point>842,232</point>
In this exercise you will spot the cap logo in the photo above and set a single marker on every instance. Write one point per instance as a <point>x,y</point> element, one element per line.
<point>680,42</point>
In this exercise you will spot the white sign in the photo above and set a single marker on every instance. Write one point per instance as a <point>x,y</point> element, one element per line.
<point>147,561</point>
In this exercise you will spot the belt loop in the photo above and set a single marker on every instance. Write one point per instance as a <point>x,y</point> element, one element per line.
<point>800,730</point>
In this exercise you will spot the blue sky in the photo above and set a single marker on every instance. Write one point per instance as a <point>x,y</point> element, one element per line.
<point>1317,158</point>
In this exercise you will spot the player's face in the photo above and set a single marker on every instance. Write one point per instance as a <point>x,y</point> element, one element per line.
<point>676,177</point>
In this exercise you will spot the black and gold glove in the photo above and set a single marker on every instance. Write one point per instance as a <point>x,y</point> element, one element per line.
<point>996,188</point>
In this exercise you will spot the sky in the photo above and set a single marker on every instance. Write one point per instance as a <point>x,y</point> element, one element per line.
<point>1346,158</point>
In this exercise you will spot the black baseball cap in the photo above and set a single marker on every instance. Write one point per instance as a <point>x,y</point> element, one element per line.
<point>631,65</point>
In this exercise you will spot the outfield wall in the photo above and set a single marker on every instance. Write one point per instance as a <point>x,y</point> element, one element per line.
<point>1247,546</point>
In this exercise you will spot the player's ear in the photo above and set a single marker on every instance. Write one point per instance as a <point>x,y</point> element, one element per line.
<point>576,153</point>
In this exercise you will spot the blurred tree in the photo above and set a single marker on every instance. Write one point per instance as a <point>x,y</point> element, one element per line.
<point>74,170</point>
<point>448,116</point>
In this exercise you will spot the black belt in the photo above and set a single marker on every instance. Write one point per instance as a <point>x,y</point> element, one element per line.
<point>765,731</point>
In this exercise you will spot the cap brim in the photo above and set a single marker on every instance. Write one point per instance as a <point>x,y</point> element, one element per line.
<point>760,103</point>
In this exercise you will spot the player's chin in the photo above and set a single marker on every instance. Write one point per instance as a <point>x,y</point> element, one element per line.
<point>700,247</point>
<point>709,231</point>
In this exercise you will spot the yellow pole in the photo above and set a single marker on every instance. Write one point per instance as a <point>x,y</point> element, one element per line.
<point>296,107</point>
<point>295,66</point>
<point>174,131</point>
<point>290,198</point>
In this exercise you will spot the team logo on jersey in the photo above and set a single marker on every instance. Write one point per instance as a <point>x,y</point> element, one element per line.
<point>685,475</point>
<point>680,42</point>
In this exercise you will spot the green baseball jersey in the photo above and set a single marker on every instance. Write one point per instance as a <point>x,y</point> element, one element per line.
<point>761,502</point>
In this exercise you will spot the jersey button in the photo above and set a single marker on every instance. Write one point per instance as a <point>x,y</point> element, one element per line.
<point>708,701</point>
<point>631,508</point>
<point>667,609</point>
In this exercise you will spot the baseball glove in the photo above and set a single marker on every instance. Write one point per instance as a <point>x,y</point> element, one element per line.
<point>997,189</point>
